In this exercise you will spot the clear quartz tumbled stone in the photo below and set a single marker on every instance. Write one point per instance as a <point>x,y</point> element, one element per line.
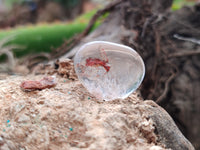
<point>109,71</point>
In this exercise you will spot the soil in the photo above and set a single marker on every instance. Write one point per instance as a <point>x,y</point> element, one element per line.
<point>68,117</point>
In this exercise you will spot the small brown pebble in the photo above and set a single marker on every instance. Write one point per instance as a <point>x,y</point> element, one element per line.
<point>46,82</point>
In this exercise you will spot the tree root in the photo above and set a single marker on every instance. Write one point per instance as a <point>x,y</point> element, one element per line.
<point>69,44</point>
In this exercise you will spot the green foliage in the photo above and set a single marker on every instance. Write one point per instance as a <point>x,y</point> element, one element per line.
<point>44,37</point>
<point>65,3</point>
<point>177,4</point>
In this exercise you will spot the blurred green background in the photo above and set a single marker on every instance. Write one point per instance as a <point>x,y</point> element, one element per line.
<point>48,23</point>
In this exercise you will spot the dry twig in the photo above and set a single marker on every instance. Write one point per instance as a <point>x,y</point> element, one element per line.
<point>184,53</point>
<point>163,95</point>
<point>69,44</point>
<point>193,40</point>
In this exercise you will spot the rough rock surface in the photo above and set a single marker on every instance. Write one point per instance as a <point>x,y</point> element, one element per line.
<point>168,42</point>
<point>68,117</point>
